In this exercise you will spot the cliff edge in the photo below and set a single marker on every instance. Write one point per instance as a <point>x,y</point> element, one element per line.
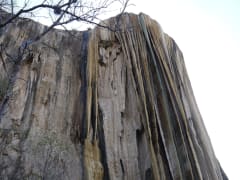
<point>99,104</point>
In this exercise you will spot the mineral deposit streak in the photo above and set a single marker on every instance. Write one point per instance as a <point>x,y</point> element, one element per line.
<point>100,104</point>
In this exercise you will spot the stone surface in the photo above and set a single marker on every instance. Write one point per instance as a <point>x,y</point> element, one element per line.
<point>100,104</point>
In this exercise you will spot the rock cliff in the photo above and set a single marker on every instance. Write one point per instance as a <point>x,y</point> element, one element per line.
<point>99,104</point>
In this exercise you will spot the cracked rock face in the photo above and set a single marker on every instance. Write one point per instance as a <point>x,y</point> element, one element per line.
<point>100,104</point>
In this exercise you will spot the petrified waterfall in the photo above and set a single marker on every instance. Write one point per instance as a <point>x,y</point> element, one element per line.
<point>99,104</point>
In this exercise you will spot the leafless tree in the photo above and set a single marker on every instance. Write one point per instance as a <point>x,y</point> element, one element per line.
<point>61,12</point>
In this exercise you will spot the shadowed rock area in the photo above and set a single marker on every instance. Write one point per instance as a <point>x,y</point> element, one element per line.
<point>99,105</point>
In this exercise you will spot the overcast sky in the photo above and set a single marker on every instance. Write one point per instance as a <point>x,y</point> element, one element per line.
<point>208,33</point>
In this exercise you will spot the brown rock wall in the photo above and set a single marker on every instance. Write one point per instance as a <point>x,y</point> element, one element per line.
<point>100,104</point>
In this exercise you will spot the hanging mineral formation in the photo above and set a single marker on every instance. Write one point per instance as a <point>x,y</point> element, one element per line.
<point>108,103</point>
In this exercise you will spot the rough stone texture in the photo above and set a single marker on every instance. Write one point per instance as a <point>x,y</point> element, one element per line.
<point>100,104</point>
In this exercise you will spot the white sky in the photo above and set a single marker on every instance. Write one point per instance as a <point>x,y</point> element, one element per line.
<point>208,33</point>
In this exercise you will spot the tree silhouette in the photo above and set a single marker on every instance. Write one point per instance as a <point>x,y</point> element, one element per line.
<point>61,12</point>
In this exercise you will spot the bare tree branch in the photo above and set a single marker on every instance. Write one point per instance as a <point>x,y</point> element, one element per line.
<point>66,11</point>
